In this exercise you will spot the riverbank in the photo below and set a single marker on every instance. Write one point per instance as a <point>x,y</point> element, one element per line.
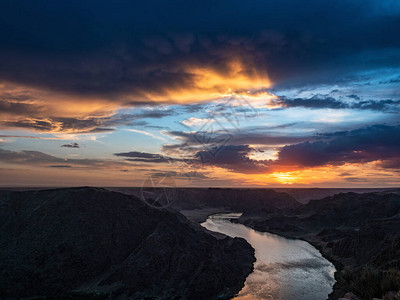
<point>279,259</point>
<point>201,215</point>
<point>357,233</point>
<point>320,246</point>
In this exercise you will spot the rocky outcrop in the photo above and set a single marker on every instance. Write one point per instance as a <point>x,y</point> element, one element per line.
<point>93,242</point>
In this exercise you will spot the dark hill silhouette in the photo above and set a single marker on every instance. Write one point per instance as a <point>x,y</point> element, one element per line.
<point>235,199</point>
<point>98,243</point>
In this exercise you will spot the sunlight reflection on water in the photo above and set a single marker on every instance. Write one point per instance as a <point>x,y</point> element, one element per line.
<point>285,268</point>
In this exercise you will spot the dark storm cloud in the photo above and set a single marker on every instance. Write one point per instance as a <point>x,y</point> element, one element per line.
<point>380,143</point>
<point>377,105</point>
<point>313,102</point>
<point>60,166</point>
<point>242,137</point>
<point>194,108</point>
<point>71,145</point>
<point>39,125</point>
<point>373,143</point>
<point>37,158</point>
<point>77,124</point>
<point>144,157</point>
<point>323,101</point>
<point>60,125</point>
<point>112,48</point>
<point>234,158</point>
<point>154,113</point>
<point>27,156</point>
<point>377,143</point>
<point>18,108</point>
<point>82,125</point>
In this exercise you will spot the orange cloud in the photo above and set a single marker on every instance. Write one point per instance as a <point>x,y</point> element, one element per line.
<point>208,83</point>
<point>43,110</point>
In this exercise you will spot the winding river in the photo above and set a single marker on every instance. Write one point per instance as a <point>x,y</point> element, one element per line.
<point>284,268</point>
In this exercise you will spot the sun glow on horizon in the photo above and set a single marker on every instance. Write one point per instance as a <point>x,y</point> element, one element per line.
<point>285,178</point>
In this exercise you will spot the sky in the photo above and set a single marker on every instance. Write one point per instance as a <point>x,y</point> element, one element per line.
<point>272,93</point>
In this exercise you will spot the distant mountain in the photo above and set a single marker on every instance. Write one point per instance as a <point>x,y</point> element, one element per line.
<point>359,232</point>
<point>304,195</point>
<point>95,243</point>
<point>234,199</point>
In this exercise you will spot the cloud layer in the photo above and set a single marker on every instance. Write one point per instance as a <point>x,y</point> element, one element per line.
<point>239,88</point>
<point>163,50</point>
<point>378,143</point>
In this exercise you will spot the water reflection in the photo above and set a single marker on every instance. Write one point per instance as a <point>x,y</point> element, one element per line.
<point>285,268</point>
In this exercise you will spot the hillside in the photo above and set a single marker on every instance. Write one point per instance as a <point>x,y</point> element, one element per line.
<point>93,242</point>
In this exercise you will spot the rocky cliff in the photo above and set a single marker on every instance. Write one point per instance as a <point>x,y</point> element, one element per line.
<point>92,242</point>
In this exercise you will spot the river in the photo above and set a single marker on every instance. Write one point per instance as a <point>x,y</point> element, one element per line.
<point>285,269</point>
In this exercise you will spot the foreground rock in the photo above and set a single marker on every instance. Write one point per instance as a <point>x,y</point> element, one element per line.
<point>93,242</point>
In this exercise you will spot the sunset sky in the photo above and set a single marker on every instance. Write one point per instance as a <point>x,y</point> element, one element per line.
<point>300,93</point>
